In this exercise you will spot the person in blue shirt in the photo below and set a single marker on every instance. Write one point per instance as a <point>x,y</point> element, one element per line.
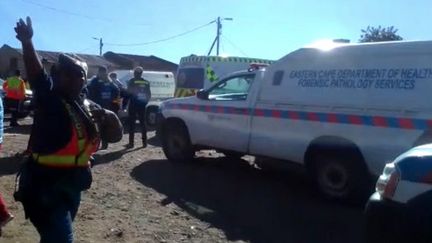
<point>105,93</point>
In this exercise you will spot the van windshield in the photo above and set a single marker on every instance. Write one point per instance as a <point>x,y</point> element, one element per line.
<point>190,78</point>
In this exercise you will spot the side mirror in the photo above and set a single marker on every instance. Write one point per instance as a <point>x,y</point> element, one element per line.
<point>202,95</point>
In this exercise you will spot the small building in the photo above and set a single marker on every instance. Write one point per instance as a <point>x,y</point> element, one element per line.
<point>149,63</point>
<point>12,59</point>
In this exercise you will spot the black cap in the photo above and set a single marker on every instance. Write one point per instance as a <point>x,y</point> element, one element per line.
<point>69,63</point>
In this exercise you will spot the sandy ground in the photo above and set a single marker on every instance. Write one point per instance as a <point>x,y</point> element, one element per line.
<point>139,196</point>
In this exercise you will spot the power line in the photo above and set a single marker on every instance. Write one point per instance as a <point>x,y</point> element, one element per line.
<point>161,40</point>
<point>88,48</point>
<point>71,13</point>
<point>235,46</point>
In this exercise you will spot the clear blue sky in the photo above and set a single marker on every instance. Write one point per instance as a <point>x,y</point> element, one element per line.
<point>265,29</point>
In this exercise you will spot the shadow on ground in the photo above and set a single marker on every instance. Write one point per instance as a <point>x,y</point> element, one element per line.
<point>10,165</point>
<point>107,157</point>
<point>22,129</point>
<point>155,141</point>
<point>250,205</point>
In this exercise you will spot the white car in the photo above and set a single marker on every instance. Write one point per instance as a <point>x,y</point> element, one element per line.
<point>401,208</point>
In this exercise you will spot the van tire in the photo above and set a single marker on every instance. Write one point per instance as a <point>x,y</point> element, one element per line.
<point>176,142</point>
<point>151,116</point>
<point>340,176</point>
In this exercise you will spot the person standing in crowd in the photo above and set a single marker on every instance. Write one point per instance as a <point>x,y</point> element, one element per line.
<point>122,88</point>
<point>116,81</point>
<point>138,91</point>
<point>15,94</point>
<point>5,216</point>
<point>105,93</point>
<point>65,133</point>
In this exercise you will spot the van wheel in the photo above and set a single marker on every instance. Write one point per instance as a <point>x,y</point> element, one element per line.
<point>340,177</point>
<point>176,143</point>
<point>151,116</point>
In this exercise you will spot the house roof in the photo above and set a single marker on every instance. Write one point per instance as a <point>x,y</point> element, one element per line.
<point>52,57</point>
<point>150,63</point>
<point>112,60</point>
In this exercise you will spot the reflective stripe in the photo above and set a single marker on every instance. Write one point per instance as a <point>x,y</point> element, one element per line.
<point>62,160</point>
<point>81,144</point>
<point>182,92</point>
<point>70,155</point>
<point>15,88</point>
<point>14,83</point>
<point>141,82</point>
<point>195,59</point>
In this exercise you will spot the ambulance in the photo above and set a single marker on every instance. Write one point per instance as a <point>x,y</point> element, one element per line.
<point>201,72</point>
<point>341,111</point>
<point>162,87</point>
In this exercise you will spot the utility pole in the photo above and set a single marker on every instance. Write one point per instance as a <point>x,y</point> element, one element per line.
<point>218,34</point>
<point>100,45</point>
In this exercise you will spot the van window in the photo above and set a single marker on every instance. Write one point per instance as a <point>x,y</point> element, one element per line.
<point>235,88</point>
<point>277,78</point>
<point>190,78</point>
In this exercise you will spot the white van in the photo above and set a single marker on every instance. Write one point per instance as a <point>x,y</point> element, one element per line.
<point>342,112</point>
<point>202,72</point>
<point>162,87</point>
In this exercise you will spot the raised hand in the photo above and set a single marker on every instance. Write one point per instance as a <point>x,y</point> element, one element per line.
<point>24,30</point>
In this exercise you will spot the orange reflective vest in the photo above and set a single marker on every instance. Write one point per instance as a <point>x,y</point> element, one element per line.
<point>77,152</point>
<point>15,88</point>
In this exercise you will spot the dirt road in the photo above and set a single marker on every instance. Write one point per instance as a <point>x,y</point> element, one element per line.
<point>139,196</point>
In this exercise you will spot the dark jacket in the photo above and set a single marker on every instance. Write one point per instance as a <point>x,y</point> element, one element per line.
<point>103,93</point>
<point>52,126</point>
<point>138,90</point>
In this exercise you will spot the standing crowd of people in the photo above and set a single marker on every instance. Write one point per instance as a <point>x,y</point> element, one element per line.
<point>111,94</point>
<point>73,118</point>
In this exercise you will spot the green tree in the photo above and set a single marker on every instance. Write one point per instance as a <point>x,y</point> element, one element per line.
<point>373,34</point>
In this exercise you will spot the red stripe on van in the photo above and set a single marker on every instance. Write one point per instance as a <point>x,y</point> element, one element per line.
<point>312,116</point>
<point>353,119</point>
<point>379,121</point>
<point>406,123</point>
<point>293,115</point>
<point>276,113</point>
<point>332,118</point>
<point>259,112</point>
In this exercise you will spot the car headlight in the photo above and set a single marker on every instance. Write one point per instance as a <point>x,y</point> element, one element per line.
<point>388,181</point>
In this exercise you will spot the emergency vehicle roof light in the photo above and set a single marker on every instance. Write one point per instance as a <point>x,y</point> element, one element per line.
<point>257,66</point>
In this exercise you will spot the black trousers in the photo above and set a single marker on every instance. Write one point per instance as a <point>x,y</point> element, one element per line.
<point>137,113</point>
<point>14,106</point>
